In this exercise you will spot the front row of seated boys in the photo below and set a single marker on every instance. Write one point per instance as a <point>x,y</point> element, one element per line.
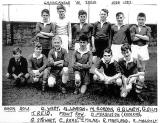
<point>54,70</point>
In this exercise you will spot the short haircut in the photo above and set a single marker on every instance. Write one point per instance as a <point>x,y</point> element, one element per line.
<point>83,38</point>
<point>105,10</point>
<point>107,50</point>
<point>119,13</point>
<point>57,37</point>
<point>125,47</point>
<point>38,45</point>
<point>61,7</point>
<point>82,12</point>
<point>46,11</point>
<point>16,50</point>
<point>141,14</point>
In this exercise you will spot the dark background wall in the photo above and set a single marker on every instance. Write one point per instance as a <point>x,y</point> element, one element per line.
<point>23,33</point>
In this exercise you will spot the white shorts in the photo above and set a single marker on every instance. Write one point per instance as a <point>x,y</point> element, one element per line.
<point>116,51</point>
<point>65,40</point>
<point>77,46</point>
<point>140,52</point>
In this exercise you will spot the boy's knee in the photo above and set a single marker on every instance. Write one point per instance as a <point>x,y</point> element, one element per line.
<point>26,75</point>
<point>51,81</point>
<point>65,70</point>
<point>119,82</point>
<point>141,78</point>
<point>95,77</point>
<point>77,77</point>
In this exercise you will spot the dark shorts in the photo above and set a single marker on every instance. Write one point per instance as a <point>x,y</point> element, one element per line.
<point>45,52</point>
<point>85,77</point>
<point>100,45</point>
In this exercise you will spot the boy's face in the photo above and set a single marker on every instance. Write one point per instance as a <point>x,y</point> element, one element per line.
<point>83,44</point>
<point>61,13</point>
<point>17,55</point>
<point>45,17</point>
<point>103,15</point>
<point>107,57</point>
<point>82,18</point>
<point>120,19</point>
<point>38,50</point>
<point>141,20</point>
<point>126,54</point>
<point>56,43</point>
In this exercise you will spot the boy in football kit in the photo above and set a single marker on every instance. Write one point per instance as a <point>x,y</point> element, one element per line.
<point>132,72</point>
<point>120,35</point>
<point>82,28</point>
<point>101,35</point>
<point>58,63</point>
<point>45,30</point>
<point>111,72</point>
<point>140,35</point>
<point>37,64</point>
<point>63,27</point>
<point>17,67</point>
<point>82,59</point>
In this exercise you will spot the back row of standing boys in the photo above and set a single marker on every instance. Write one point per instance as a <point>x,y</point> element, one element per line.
<point>120,49</point>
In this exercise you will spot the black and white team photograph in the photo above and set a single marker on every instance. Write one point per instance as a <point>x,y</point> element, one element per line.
<point>91,53</point>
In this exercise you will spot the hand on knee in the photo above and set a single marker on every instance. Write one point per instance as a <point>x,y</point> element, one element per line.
<point>51,81</point>
<point>7,75</point>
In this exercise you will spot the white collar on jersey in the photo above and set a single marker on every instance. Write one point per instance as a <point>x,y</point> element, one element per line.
<point>40,56</point>
<point>112,60</point>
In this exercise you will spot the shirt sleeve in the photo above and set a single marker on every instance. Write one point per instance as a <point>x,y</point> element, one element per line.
<point>74,32</point>
<point>94,29</point>
<point>99,64</point>
<point>117,68</point>
<point>10,65</point>
<point>50,59</point>
<point>128,35</point>
<point>53,28</point>
<point>132,32</point>
<point>44,64</point>
<point>89,63</point>
<point>38,29</point>
<point>110,35</point>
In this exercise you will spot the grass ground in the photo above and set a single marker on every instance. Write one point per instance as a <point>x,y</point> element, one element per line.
<point>31,95</point>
